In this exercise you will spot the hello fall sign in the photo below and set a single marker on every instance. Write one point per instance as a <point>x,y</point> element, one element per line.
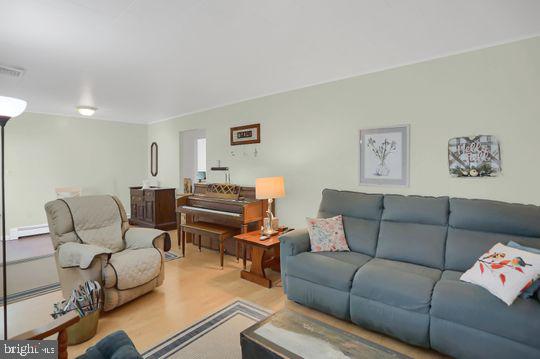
<point>476,156</point>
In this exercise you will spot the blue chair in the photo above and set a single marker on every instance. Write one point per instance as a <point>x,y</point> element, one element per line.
<point>114,346</point>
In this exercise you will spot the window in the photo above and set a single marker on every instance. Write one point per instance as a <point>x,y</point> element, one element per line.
<point>201,155</point>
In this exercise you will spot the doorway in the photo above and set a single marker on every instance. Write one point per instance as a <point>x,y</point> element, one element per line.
<point>192,157</point>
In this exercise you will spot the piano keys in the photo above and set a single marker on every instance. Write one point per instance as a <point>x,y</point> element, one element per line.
<point>199,210</point>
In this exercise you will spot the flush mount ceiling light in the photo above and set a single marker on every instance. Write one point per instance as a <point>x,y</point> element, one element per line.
<point>86,110</point>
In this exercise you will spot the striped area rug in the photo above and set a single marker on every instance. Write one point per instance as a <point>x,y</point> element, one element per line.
<point>31,293</point>
<point>216,336</point>
<point>170,256</point>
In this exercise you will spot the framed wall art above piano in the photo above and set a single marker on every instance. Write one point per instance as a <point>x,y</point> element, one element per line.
<point>244,135</point>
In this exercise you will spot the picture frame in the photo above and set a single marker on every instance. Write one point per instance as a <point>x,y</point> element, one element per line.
<point>474,156</point>
<point>244,135</point>
<point>384,156</point>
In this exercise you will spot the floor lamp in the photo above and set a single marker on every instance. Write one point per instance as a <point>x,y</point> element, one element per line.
<point>9,107</point>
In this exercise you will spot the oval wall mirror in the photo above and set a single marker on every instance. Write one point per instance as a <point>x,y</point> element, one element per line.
<point>154,159</point>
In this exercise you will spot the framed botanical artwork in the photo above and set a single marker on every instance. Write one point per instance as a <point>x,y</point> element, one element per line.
<point>475,156</point>
<point>243,135</point>
<point>384,156</point>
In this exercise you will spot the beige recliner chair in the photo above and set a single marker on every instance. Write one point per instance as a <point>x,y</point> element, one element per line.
<point>93,241</point>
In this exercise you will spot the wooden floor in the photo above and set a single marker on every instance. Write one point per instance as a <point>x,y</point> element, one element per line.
<point>194,287</point>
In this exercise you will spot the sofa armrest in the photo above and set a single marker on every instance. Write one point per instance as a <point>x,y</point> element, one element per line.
<point>295,242</point>
<point>137,238</point>
<point>291,244</point>
<point>80,255</point>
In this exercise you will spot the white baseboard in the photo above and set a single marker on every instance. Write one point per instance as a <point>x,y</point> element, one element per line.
<point>16,233</point>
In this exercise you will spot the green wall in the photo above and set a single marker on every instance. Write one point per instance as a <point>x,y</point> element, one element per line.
<point>44,152</point>
<point>310,136</point>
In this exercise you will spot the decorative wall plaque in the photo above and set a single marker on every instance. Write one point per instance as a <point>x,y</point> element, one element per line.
<point>476,156</point>
<point>243,135</point>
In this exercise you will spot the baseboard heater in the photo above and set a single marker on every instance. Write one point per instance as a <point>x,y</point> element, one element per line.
<point>16,233</point>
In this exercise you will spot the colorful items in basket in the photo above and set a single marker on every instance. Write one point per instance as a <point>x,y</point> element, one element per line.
<point>85,299</point>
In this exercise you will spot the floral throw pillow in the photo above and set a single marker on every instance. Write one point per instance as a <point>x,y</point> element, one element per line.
<point>327,235</point>
<point>504,271</point>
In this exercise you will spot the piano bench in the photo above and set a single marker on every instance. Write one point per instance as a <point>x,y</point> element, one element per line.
<point>210,230</point>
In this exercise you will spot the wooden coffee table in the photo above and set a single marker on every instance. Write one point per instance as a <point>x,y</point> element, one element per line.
<point>264,254</point>
<point>291,335</point>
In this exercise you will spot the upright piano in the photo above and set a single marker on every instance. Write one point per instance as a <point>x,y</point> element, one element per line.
<point>223,204</point>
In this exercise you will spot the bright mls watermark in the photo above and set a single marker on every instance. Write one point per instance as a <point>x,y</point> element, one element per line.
<point>28,349</point>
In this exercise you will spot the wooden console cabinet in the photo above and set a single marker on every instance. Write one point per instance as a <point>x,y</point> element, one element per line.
<point>153,207</point>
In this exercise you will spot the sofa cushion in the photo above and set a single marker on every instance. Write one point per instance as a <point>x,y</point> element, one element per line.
<point>494,216</point>
<point>413,229</point>
<point>477,225</point>
<point>330,269</point>
<point>460,341</point>
<point>451,275</point>
<point>421,244</point>
<point>333,301</point>
<point>361,216</point>
<point>399,284</point>
<point>463,246</point>
<point>416,209</point>
<point>473,306</point>
<point>351,204</point>
<point>131,268</point>
<point>356,259</point>
<point>361,234</point>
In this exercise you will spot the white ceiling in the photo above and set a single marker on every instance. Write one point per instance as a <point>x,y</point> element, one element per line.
<point>146,60</point>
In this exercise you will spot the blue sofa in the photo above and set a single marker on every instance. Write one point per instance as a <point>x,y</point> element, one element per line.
<point>401,276</point>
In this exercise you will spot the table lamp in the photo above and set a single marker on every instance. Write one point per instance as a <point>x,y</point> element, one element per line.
<point>9,107</point>
<point>269,188</point>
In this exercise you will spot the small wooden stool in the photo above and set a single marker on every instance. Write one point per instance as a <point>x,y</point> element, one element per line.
<point>210,230</point>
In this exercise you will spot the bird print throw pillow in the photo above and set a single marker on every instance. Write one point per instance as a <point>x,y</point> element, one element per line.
<point>327,234</point>
<point>504,271</point>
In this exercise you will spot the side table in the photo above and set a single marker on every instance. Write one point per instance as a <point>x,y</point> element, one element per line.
<point>264,254</point>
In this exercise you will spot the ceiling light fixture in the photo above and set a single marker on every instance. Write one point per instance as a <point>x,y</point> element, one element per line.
<point>11,107</point>
<point>86,110</point>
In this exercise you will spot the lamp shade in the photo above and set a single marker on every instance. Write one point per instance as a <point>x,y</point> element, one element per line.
<point>11,107</point>
<point>269,187</point>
